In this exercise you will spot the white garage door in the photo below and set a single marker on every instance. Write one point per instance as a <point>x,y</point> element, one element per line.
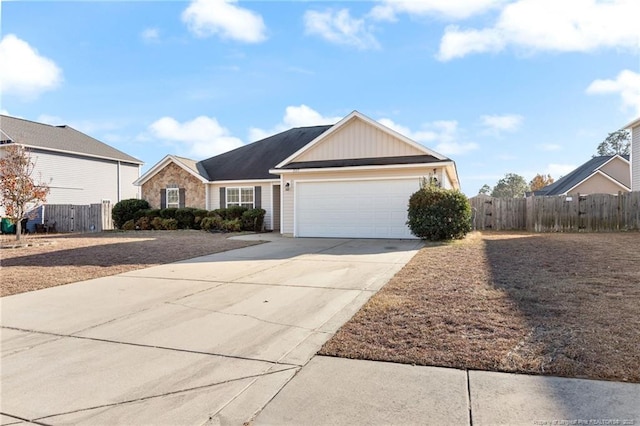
<point>354,209</point>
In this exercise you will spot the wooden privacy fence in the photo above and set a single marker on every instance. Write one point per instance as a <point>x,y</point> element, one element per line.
<point>79,218</point>
<point>577,213</point>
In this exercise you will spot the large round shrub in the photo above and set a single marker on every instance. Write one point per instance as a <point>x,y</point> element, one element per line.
<point>125,210</point>
<point>439,214</point>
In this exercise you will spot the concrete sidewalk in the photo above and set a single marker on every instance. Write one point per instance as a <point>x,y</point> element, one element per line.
<point>336,391</point>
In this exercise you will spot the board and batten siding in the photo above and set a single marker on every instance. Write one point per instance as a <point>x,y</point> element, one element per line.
<point>288,197</point>
<point>358,140</point>
<point>635,158</point>
<point>265,198</point>
<point>77,180</point>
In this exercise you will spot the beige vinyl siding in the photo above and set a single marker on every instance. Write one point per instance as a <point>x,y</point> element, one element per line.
<point>618,169</point>
<point>265,199</point>
<point>77,180</point>
<point>128,174</point>
<point>358,140</point>
<point>635,158</point>
<point>288,196</point>
<point>596,184</point>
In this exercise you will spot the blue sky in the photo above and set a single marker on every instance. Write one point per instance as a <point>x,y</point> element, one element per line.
<point>522,86</point>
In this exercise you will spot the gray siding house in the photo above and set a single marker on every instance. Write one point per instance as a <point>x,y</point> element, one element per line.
<point>634,127</point>
<point>78,168</point>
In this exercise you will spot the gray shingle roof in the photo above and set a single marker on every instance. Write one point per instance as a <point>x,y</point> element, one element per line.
<point>57,138</point>
<point>253,161</point>
<point>567,182</point>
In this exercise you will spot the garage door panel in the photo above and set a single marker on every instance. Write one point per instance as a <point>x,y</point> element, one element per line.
<point>358,209</point>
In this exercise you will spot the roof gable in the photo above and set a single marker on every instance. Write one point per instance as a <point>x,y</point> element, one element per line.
<point>358,136</point>
<point>58,139</point>
<point>579,175</point>
<point>188,165</point>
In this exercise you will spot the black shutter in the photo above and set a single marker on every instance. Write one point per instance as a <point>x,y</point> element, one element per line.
<point>181,199</point>
<point>163,198</point>
<point>257,197</point>
<point>223,197</point>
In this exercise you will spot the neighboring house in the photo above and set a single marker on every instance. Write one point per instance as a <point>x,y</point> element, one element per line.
<point>634,128</point>
<point>351,179</point>
<point>78,168</point>
<point>607,174</point>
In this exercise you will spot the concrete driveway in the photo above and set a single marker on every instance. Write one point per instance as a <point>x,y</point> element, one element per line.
<point>208,340</point>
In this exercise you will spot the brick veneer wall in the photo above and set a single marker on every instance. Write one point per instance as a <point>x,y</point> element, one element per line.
<point>174,175</point>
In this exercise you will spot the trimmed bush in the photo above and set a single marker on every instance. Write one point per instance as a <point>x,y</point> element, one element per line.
<point>125,210</point>
<point>129,225</point>
<point>234,212</point>
<point>185,218</point>
<point>233,225</point>
<point>211,223</point>
<point>198,215</point>
<point>143,224</point>
<point>156,223</point>
<point>253,220</point>
<point>169,213</point>
<point>170,224</point>
<point>439,214</point>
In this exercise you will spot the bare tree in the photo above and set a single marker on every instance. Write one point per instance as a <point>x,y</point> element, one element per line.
<point>19,189</point>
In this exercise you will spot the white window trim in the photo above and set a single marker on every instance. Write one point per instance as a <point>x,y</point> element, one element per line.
<point>173,205</point>
<point>240,188</point>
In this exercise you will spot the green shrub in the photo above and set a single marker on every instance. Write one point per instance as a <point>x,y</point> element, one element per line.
<point>216,212</point>
<point>170,224</point>
<point>234,212</point>
<point>233,225</point>
<point>152,213</point>
<point>125,210</point>
<point>129,225</point>
<point>211,223</point>
<point>198,215</point>
<point>143,224</point>
<point>253,219</point>
<point>156,223</point>
<point>439,214</point>
<point>185,218</point>
<point>140,213</point>
<point>168,213</point>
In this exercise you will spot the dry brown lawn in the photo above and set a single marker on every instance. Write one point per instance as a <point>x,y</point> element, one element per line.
<point>553,304</point>
<point>67,258</point>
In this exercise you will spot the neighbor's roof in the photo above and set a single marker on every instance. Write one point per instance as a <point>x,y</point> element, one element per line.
<point>566,183</point>
<point>57,138</point>
<point>193,165</point>
<point>253,161</point>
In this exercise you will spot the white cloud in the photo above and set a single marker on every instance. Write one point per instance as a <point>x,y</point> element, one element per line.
<point>451,9</point>
<point>559,170</point>
<point>199,138</point>
<point>294,116</point>
<point>626,84</point>
<point>340,28</point>
<point>550,25</point>
<point>502,123</point>
<point>443,133</point>
<point>224,18</point>
<point>150,34</point>
<point>24,72</point>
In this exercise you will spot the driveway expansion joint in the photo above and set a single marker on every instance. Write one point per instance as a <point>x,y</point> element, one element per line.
<point>174,392</point>
<point>141,345</point>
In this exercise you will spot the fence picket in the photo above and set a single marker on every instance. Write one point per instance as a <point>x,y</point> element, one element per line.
<point>79,218</point>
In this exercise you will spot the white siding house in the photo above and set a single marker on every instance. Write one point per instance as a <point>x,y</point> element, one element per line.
<point>78,168</point>
<point>634,127</point>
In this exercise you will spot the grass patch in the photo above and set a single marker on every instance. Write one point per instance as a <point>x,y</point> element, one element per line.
<point>554,304</point>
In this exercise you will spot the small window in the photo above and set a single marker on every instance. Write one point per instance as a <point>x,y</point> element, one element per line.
<point>173,197</point>
<point>240,197</point>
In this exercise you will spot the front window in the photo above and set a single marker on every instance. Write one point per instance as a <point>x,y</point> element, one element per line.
<point>240,197</point>
<point>173,197</point>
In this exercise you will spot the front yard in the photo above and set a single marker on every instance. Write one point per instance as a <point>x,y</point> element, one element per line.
<point>553,304</point>
<point>67,258</point>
